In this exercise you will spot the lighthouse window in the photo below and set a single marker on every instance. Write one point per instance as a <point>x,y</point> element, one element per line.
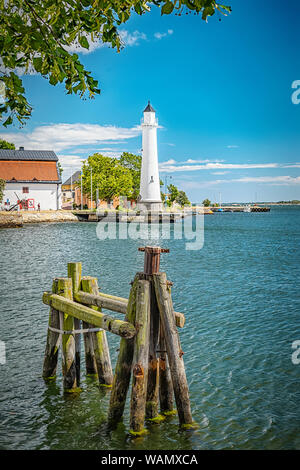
<point>25,190</point>
<point>151,179</point>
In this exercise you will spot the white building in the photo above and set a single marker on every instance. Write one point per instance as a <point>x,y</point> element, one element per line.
<point>31,176</point>
<point>150,198</point>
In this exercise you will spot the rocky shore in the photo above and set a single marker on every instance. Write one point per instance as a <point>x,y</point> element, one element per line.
<point>17,219</point>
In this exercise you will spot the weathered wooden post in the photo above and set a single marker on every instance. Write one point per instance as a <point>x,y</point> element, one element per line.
<point>99,346</point>
<point>165,380</point>
<point>151,266</point>
<point>74,272</point>
<point>140,359</point>
<point>53,341</point>
<point>174,351</point>
<point>64,287</point>
<point>123,367</point>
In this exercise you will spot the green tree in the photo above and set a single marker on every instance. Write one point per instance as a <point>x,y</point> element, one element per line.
<point>60,169</point>
<point>108,175</point>
<point>2,187</point>
<point>206,202</point>
<point>182,199</point>
<point>6,145</point>
<point>40,37</point>
<point>172,193</point>
<point>134,164</point>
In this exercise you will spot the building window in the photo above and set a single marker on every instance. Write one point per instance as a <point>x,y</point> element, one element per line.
<point>25,190</point>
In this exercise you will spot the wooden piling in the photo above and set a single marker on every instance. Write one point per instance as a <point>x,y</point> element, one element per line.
<point>98,319</point>
<point>123,367</point>
<point>174,351</point>
<point>98,339</point>
<point>140,359</point>
<point>165,380</point>
<point>90,361</point>
<point>116,304</point>
<point>152,409</point>
<point>74,272</point>
<point>53,341</point>
<point>151,266</point>
<point>64,287</point>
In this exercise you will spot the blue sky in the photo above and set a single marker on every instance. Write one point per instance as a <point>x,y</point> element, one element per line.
<point>222,92</point>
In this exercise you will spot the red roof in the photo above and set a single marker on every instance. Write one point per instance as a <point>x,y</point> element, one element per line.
<point>28,171</point>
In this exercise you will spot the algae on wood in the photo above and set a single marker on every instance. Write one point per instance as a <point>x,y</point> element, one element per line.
<point>140,359</point>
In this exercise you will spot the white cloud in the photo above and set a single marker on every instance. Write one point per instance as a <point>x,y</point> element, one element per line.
<point>132,39</point>
<point>202,161</point>
<point>60,137</point>
<point>127,38</point>
<point>93,45</point>
<point>70,164</point>
<point>232,146</point>
<point>163,35</point>
<point>292,165</point>
<point>267,180</point>
<point>216,166</point>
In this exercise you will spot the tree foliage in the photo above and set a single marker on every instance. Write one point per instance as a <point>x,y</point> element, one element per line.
<point>40,37</point>
<point>206,202</point>
<point>182,199</point>
<point>172,193</point>
<point>176,196</point>
<point>2,187</point>
<point>60,169</point>
<point>108,176</point>
<point>134,164</point>
<point>6,145</point>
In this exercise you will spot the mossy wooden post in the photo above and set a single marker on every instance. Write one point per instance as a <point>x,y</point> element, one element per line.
<point>123,367</point>
<point>53,341</point>
<point>74,272</point>
<point>100,349</point>
<point>90,362</point>
<point>151,265</point>
<point>175,353</point>
<point>64,286</point>
<point>152,411</point>
<point>140,359</point>
<point>165,380</point>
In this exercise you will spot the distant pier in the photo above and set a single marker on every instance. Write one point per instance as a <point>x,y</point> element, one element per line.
<point>130,216</point>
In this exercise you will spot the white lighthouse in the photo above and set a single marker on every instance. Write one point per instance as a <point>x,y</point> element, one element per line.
<point>150,198</point>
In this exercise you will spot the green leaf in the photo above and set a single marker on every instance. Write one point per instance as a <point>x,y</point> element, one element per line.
<point>37,63</point>
<point>8,121</point>
<point>83,42</point>
<point>167,8</point>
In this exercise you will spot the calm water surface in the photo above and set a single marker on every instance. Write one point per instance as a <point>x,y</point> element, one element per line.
<point>240,295</point>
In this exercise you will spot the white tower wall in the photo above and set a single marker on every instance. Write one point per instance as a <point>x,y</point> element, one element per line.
<point>150,198</point>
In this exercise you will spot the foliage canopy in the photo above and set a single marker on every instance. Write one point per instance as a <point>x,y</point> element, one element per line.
<point>40,38</point>
<point>6,145</point>
<point>2,187</point>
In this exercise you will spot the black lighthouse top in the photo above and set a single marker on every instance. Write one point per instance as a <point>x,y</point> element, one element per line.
<point>149,108</point>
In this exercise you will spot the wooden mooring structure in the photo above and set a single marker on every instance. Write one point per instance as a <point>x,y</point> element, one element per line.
<point>150,352</point>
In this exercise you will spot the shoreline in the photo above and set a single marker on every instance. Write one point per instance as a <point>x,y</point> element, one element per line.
<point>19,218</point>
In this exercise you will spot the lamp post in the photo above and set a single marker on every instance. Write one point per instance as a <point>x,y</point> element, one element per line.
<point>166,182</point>
<point>91,188</point>
<point>71,188</point>
<point>81,192</point>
